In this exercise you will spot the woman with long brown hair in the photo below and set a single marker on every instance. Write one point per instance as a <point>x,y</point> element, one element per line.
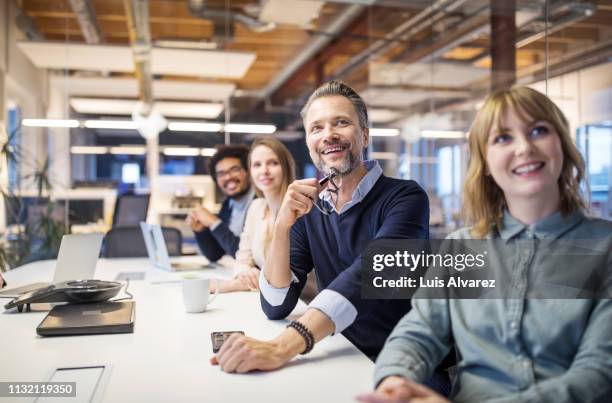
<point>546,339</point>
<point>272,169</point>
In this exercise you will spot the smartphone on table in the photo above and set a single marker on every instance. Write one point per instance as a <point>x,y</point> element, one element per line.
<point>218,338</point>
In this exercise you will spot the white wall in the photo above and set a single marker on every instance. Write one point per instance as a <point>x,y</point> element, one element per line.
<point>25,85</point>
<point>59,138</point>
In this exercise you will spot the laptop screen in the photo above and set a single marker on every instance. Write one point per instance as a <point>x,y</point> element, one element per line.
<point>156,245</point>
<point>77,257</point>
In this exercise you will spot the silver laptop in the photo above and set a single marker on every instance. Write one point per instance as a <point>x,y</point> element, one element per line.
<point>158,252</point>
<point>76,260</point>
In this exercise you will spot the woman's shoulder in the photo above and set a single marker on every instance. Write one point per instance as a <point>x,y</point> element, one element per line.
<point>256,209</point>
<point>258,203</point>
<point>597,227</point>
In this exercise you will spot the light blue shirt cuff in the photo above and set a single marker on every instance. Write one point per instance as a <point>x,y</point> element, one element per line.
<point>274,296</point>
<point>214,225</point>
<point>336,307</point>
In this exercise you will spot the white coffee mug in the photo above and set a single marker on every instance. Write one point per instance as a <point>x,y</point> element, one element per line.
<point>196,294</point>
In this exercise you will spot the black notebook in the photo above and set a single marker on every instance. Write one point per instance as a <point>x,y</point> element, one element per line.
<point>96,318</point>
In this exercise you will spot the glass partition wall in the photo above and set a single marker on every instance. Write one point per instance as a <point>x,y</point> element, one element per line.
<point>431,64</point>
<point>424,68</point>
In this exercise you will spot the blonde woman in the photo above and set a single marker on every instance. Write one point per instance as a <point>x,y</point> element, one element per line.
<point>523,183</point>
<point>272,169</point>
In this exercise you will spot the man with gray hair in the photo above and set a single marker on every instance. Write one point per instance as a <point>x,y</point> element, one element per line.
<point>354,206</point>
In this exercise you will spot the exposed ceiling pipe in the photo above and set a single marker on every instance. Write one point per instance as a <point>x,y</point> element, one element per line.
<point>571,13</point>
<point>581,59</point>
<point>312,48</point>
<point>137,13</point>
<point>358,2</point>
<point>402,32</point>
<point>384,3</point>
<point>409,28</point>
<point>26,24</point>
<point>199,9</point>
<point>477,23</point>
<point>86,16</point>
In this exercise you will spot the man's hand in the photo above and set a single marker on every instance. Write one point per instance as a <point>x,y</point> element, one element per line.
<point>201,219</point>
<point>297,201</point>
<point>249,278</point>
<point>395,389</point>
<point>242,354</point>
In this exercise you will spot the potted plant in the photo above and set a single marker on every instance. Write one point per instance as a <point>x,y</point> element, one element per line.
<point>35,232</point>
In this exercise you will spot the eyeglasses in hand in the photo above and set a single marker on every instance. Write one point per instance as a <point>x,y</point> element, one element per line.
<point>327,204</point>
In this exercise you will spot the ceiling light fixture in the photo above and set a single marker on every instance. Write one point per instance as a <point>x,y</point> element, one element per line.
<point>88,150</point>
<point>250,128</point>
<point>208,152</point>
<point>442,134</point>
<point>384,132</point>
<point>50,123</point>
<point>111,124</point>
<point>128,150</point>
<point>383,155</point>
<point>194,127</point>
<point>181,151</point>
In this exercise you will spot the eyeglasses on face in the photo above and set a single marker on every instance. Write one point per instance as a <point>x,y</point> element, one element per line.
<point>232,171</point>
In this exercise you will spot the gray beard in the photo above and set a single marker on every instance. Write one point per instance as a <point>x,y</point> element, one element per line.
<point>348,165</point>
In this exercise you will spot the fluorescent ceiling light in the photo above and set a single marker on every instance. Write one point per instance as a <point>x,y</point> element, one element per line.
<point>50,122</point>
<point>107,106</point>
<point>442,134</point>
<point>250,128</point>
<point>128,150</point>
<point>194,127</point>
<point>383,155</point>
<point>127,88</point>
<point>208,152</point>
<point>102,106</point>
<point>173,43</point>
<point>384,132</point>
<point>301,14</point>
<point>111,124</point>
<point>181,151</point>
<point>421,160</point>
<point>88,150</point>
<point>176,62</point>
<point>201,110</point>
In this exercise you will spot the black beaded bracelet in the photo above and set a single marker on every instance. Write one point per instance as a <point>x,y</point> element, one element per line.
<point>305,333</point>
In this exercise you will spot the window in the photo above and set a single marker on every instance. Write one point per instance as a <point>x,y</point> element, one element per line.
<point>595,142</point>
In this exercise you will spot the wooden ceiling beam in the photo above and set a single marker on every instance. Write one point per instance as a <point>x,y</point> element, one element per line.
<point>576,34</point>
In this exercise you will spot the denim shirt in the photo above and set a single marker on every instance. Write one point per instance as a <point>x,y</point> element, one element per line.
<point>239,211</point>
<point>514,350</point>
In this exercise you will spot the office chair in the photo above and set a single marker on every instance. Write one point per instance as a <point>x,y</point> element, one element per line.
<point>130,210</point>
<point>128,242</point>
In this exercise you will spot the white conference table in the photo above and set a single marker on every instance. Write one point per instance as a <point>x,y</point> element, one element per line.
<point>166,359</point>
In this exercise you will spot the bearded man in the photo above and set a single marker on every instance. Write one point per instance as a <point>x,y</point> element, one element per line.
<point>357,205</point>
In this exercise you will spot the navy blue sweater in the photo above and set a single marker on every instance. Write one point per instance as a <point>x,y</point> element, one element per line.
<point>221,241</point>
<point>332,245</point>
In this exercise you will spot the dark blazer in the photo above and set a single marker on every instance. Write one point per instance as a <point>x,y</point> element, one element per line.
<point>221,241</point>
